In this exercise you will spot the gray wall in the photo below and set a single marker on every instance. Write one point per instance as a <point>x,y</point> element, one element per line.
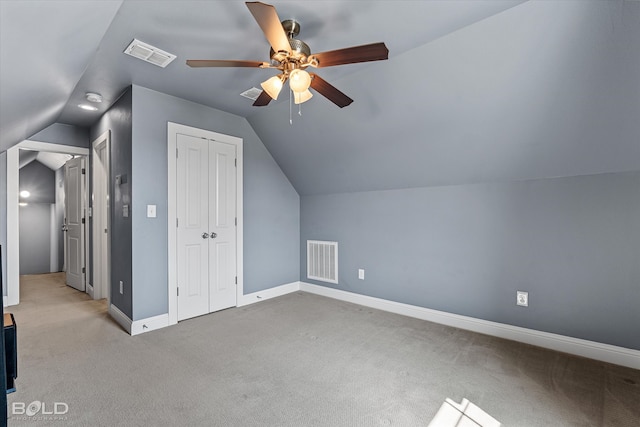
<point>39,180</point>
<point>118,120</point>
<point>35,238</point>
<point>35,218</point>
<point>271,205</point>
<point>572,243</point>
<point>59,133</point>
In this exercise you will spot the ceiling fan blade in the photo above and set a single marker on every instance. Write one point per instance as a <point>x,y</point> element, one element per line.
<point>262,100</point>
<point>267,17</point>
<point>351,55</point>
<point>329,92</point>
<point>223,63</point>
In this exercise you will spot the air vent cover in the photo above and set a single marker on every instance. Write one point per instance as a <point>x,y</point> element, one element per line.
<point>252,93</point>
<point>322,261</point>
<point>148,53</point>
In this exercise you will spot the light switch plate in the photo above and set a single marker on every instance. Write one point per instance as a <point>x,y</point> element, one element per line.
<point>151,211</point>
<point>361,273</point>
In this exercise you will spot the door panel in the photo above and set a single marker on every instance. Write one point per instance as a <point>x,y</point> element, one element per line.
<point>192,213</point>
<point>74,211</point>
<point>222,220</point>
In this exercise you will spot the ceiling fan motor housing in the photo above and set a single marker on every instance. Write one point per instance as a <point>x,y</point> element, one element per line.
<point>299,49</point>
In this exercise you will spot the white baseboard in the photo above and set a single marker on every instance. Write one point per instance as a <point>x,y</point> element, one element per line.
<point>149,324</point>
<point>269,293</point>
<point>90,290</point>
<point>122,319</point>
<point>579,347</point>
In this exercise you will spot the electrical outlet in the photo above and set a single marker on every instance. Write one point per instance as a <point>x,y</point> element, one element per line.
<point>522,298</point>
<point>121,287</point>
<point>361,273</point>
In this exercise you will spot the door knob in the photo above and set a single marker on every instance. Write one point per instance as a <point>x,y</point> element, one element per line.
<point>205,235</point>
<point>214,235</point>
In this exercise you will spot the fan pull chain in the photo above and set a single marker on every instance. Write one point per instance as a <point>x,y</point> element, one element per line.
<point>290,104</point>
<point>300,109</point>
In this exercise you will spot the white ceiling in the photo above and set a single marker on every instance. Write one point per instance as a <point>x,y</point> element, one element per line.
<point>476,90</point>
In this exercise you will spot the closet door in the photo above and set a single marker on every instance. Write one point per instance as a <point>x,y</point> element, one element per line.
<point>222,222</point>
<point>193,226</point>
<point>206,235</point>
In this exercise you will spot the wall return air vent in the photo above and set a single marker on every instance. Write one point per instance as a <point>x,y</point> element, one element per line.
<point>148,53</point>
<point>322,261</point>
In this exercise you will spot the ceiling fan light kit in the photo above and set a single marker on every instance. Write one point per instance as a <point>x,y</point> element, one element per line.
<point>300,97</point>
<point>299,80</point>
<point>292,56</point>
<point>273,86</point>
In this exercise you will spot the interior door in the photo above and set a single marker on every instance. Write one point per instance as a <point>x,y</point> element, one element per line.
<point>206,228</point>
<point>222,218</point>
<point>193,226</point>
<point>74,222</point>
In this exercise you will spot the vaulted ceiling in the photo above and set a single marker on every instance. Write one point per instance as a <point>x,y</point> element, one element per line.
<point>473,91</point>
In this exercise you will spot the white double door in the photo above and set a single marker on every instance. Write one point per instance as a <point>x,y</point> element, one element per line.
<point>206,226</point>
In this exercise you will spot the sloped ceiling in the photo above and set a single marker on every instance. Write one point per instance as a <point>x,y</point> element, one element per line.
<point>473,90</point>
<point>45,47</point>
<point>545,89</point>
<point>52,52</point>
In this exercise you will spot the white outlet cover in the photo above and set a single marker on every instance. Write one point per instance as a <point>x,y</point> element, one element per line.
<point>361,273</point>
<point>522,298</point>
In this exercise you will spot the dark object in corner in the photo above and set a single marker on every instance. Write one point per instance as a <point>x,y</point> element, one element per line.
<point>10,351</point>
<point>3,372</point>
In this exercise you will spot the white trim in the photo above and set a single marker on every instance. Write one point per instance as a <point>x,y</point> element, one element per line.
<point>13,237</point>
<point>98,234</point>
<point>269,293</point>
<point>173,129</point>
<point>90,290</point>
<point>149,324</point>
<point>13,224</point>
<point>122,319</point>
<point>579,347</point>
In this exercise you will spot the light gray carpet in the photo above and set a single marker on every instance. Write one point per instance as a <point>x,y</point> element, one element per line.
<point>297,360</point>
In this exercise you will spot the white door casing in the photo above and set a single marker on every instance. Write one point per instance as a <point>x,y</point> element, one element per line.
<point>13,238</point>
<point>74,222</point>
<point>100,217</point>
<point>224,213</point>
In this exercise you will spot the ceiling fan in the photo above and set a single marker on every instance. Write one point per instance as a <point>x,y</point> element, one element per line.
<point>292,56</point>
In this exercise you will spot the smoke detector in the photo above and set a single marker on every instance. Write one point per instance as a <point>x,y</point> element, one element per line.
<point>148,53</point>
<point>93,97</point>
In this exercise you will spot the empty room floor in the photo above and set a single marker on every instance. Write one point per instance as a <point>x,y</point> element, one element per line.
<point>296,360</point>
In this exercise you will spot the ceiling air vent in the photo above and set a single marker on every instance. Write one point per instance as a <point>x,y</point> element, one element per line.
<point>149,53</point>
<point>252,93</point>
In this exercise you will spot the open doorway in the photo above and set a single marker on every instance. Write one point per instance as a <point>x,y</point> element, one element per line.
<point>13,213</point>
<point>41,211</point>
